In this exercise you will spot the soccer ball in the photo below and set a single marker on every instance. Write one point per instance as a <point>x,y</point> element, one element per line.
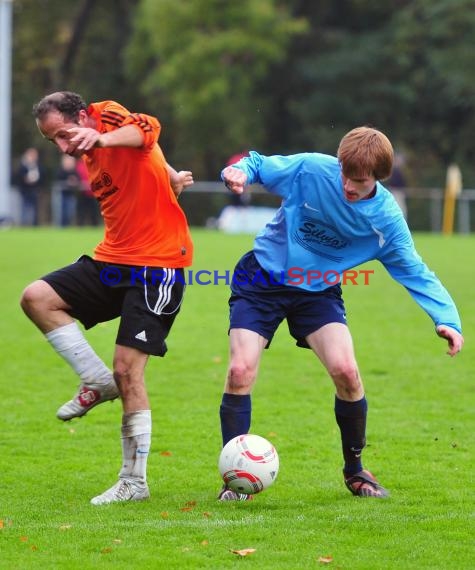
<point>248,464</point>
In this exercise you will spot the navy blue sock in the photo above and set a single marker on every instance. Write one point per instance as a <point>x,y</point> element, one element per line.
<point>235,414</point>
<point>351,419</point>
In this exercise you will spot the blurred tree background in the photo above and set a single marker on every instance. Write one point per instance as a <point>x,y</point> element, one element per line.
<point>274,75</point>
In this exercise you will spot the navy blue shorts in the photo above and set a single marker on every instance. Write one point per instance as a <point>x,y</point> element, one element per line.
<point>146,299</point>
<point>259,303</point>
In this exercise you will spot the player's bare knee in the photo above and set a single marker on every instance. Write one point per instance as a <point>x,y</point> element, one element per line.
<point>239,376</point>
<point>121,372</point>
<point>33,297</point>
<point>347,378</point>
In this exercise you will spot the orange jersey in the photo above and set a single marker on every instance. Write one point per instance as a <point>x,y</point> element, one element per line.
<point>144,224</point>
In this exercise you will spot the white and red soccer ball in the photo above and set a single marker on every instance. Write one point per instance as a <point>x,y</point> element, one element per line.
<point>248,464</point>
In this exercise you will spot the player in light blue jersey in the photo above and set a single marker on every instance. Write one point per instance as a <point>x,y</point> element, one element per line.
<point>335,215</point>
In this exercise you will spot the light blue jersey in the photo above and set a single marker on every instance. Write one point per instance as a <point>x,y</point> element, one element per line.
<point>316,231</point>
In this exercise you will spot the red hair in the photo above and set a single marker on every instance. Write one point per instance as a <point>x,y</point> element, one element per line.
<point>366,151</point>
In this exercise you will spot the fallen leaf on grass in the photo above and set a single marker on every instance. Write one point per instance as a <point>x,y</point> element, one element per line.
<point>166,453</point>
<point>244,551</point>
<point>23,538</point>
<point>164,514</point>
<point>204,543</point>
<point>1,524</point>
<point>207,515</point>
<point>325,559</point>
<point>189,506</point>
<point>106,550</point>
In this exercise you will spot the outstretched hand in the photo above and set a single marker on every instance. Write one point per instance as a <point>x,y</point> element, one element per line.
<point>181,180</point>
<point>234,179</point>
<point>453,337</point>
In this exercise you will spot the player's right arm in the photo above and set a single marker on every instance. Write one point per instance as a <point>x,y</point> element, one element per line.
<point>234,179</point>
<point>179,180</point>
<point>275,173</point>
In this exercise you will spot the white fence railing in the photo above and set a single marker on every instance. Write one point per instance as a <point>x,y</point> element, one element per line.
<point>432,197</point>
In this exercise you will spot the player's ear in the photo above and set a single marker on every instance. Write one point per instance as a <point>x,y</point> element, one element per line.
<point>82,117</point>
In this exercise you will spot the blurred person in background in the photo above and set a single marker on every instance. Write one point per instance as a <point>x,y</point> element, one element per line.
<point>29,179</point>
<point>397,184</point>
<point>69,185</point>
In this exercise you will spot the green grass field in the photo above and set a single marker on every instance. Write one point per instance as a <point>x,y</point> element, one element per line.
<point>420,434</point>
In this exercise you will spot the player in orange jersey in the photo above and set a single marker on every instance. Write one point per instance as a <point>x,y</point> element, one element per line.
<point>136,272</point>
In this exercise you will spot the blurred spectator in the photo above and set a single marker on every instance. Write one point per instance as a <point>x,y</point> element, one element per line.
<point>69,186</point>
<point>88,213</point>
<point>396,183</point>
<point>243,199</point>
<point>29,179</point>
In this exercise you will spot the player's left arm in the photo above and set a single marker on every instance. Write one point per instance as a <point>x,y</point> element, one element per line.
<point>128,135</point>
<point>118,128</point>
<point>453,337</point>
<point>405,265</point>
<point>86,138</point>
<point>429,293</point>
<point>179,180</point>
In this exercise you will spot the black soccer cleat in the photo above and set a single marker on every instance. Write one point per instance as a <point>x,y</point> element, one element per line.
<point>364,484</point>
<point>227,494</point>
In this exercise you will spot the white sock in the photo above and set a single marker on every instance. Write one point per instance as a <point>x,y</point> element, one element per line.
<point>69,342</point>
<point>136,436</point>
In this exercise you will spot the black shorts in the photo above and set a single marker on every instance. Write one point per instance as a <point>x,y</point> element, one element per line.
<point>258,303</point>
<point>147,299</point>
